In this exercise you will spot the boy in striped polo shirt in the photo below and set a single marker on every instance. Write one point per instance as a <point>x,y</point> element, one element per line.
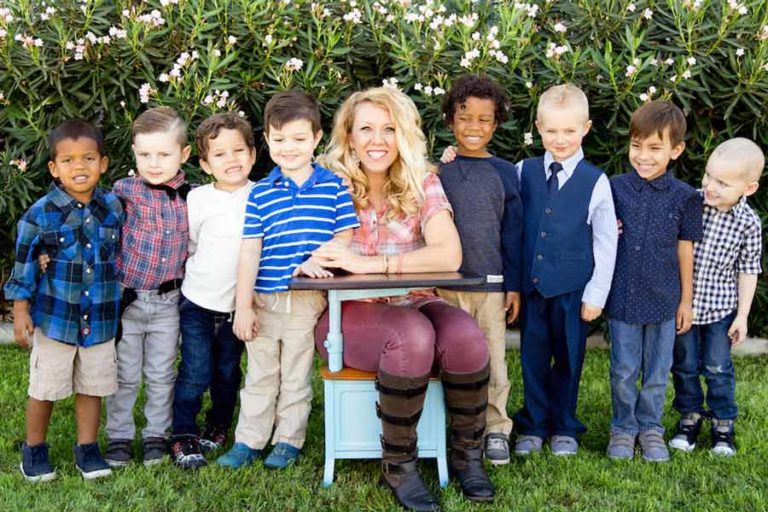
<point>291,212</point>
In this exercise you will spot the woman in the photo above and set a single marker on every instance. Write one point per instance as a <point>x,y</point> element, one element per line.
<point>406,226</point>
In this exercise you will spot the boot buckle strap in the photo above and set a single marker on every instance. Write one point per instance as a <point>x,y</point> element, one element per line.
<point>467,385</point>
<point>403,421</point>
<point>467,411</point>
<point>398,448</point>
<point>465,433</point>
<point>408,393</point>
<point>398,468</point>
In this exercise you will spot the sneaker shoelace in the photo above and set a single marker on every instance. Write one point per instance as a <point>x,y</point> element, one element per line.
<point>496,443</point>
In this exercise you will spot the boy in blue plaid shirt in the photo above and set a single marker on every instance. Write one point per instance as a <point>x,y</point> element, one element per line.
<point>726,264</point>
<point>70,311</point>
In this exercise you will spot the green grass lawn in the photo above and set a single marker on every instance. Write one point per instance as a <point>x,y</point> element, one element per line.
<point>590,481</point>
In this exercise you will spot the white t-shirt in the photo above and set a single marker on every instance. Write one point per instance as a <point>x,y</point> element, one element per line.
<point>215,231</point>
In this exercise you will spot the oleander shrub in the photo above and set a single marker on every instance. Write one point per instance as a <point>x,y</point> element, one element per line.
<point>108,60</point>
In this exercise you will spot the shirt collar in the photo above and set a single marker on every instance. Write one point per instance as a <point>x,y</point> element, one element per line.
<point>736,210</point>
<point>663,182</point>
<point>569,164</point>
<point>178,180</point>
<point>66,203</point>
<point>319,175</point>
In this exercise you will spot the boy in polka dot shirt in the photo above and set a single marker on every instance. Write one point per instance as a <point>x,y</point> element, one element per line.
<point>651,296</point>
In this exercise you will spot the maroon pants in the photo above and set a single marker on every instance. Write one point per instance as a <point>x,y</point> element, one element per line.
<point>405,341</point>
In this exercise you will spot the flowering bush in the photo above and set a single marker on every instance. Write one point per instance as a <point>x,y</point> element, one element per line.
<point>108,60</point>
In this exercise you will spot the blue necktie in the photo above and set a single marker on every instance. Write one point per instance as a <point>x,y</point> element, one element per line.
<point>552,186</point>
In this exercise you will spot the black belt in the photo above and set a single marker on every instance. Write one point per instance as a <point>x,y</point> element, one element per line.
<point>130,295</point>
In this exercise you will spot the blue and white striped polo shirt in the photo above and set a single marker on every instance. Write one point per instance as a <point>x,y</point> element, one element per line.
<point>293,221</point>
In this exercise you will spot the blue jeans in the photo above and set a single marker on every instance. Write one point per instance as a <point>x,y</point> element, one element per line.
<point>639,350</point>
<point>705,350</point>
<point>210,357</point>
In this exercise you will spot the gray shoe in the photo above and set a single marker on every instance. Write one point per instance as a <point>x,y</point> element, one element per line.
<point>526,445</point>
<point>621,446</point>
<point>497,448</point>
<point>563,445</point>
<point>653,446</point>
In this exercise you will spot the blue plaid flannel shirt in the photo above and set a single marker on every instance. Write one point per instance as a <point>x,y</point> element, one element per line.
<point>76,300</point>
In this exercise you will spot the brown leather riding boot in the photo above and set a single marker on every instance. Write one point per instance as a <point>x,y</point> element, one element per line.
<point>466,400</point>
<point>401,400</point>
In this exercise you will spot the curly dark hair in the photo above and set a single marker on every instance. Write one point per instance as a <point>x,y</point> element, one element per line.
<point>476,86</point>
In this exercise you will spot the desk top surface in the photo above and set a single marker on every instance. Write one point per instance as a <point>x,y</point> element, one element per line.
<point>378,281</point>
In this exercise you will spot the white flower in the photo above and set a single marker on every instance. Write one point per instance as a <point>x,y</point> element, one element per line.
<point>268,40</point>
<point>241,113</point>
<point>670,61</point>
<point>175,72</point>
<point>354,16</point>
<point>418,86</point>
<point>495,44</point>
<point>38,42</point>
<point>438,91</point>
<point>673,78</point>
<point>294,64</point>
<point>475,36</point>
<point>528,138</point>
<point>631,7</point>
<point>559,50</point>
<point>428,90</point>
<point>231,40</point>
<point>391,83</point>
<point>644,97</point>
<point>117,32</point>
<point>20,163</point>
<point>654,62</point>
<point>740,52</point>
<point>163,77</point>
<point>122,103</point>
<point>764,67</point>
<point>528,85</point>
<point>465,63</point>
<point>652,90</point>
<point>763,34</point>
<point>499,56</point>
<point>691,61</point>
<point>648,14</point>
<point>686,74</point>
<point>131,173</point>
<point>468,20</point>
<point>3,33</point>
<point>144,92</point>
<point>560,27</point>
<point>743,9</point>
<point>216,52</point>
<point>631,70</point>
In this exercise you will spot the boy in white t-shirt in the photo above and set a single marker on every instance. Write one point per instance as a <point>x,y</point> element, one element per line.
<point>210,353</point>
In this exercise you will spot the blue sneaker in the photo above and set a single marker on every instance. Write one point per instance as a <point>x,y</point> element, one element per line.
<point>281,456</point>
<point>34,463</point>
<point>89,462</point>
<point>238,456</point>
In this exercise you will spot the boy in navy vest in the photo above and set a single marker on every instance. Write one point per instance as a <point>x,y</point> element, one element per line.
<point>569,249</point>
<point>652,292</point>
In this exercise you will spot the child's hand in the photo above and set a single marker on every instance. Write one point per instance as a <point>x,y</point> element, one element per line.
<point>246,324</point>
<point>621,226</point>
<point>684,317</point>
<point>312,268</point>
<point>512,306</point>
<point>590,312</point>
<point>449,155</point>
<point>738,331</point>
<point>23,327</point>
<point>43,260</point>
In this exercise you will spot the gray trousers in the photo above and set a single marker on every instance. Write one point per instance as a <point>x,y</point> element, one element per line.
<point>149,346</point>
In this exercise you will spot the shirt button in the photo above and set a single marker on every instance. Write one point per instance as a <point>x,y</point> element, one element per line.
<point>540,257</point>
<point>85,317</point>
<point>88,270</point>
<point>86,293</point>
<point>163,259</point>
<point>61,239</point>
<point>543,234</point>
<point>548,210</point>
<point>167,231</point>
<point>88,246</point>
<point>86,331</point>
<point>88,219</point>
<point>535,280</point>
<point>637,247</point>
<point>79,205</point>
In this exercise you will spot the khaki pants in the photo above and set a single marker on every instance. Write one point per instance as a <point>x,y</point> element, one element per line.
<point>487,308</point>
<point>277,388</point>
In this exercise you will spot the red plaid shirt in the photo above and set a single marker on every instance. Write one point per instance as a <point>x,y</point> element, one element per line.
<point>155,233</point>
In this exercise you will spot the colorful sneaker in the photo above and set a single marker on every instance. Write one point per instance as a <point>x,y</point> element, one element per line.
<point>621,446</point>
<point>497,448</point>
<point>526,445</point>
<point>653,446</point>
<point>154,450</point>
<point>687,432</point>
<point>281,456</point>
<point>722,438</point>
<point>186,452</point>
<point>89,462</point>
<point>563,446</point>
<point>34,463</point>
<point>238,456</point>
<point>214,438</point>
<point>118,452</point>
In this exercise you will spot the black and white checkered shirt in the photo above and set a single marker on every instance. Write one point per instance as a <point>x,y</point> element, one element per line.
<point>731,246</point>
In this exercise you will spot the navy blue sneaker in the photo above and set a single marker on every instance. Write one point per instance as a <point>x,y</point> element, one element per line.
<point>281,456</point>
<point>34,463</point>
<point>89,462</point>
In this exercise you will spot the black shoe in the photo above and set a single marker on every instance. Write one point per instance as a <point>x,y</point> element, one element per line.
<point>687,432</point>
<point>118,452</point>
<point>410,490</point>
<point>186,452</point>
<point>34,463</point>
<point>214,438</point>
<point>722,438</point>
<point>473,479</point>
<point>89,462</point>
<point>154,450</point>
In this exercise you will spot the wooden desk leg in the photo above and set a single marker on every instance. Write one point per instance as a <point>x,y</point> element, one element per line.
<point>334,343</point>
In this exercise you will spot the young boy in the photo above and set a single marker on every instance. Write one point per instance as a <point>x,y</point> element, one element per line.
<point>652,291</point>
<point>483,190</point>
<point>210,353</point>
<point>151,259</point>
<point>569,248</point>
<point>70,311</point>
<point>726,264</point>
<point>297,207</point>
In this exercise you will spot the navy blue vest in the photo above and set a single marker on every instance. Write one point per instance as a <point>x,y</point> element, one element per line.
<point>557,241</point>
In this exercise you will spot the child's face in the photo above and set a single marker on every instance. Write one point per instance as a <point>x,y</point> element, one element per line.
<point>562,130</point>
<point>651,156</point>
<point>229,160</point>
<point>78,165</point>
<point>725,183</point>
<point>292,146</point>
<point>159,156</point>
<point>473,125</point>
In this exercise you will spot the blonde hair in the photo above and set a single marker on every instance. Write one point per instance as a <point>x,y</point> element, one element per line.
<point>160,119</point>
<point>404,187</point>
<point>562,96</point>
<point>741,152</point>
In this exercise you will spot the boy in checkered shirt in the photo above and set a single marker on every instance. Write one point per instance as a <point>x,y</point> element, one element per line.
<point>726,264</point>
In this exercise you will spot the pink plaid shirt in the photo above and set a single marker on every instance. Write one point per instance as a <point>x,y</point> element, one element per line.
<point>400,235</point>
<point>155,234</point>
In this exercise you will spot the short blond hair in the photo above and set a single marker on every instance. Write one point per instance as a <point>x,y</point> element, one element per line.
<point>743,153</point>
<point>562,96</point>
<point>160,119</point>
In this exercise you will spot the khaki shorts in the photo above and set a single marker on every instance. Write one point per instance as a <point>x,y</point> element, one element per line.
<point>57,370</point>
